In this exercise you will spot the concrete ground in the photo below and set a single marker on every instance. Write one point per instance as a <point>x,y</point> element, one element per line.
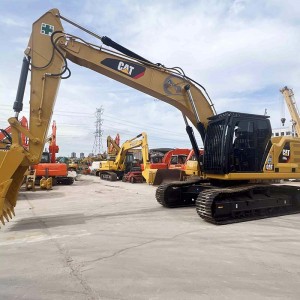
<point>112,240</point>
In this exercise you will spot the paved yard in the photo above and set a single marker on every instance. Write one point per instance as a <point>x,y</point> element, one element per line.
<point>112,240</point>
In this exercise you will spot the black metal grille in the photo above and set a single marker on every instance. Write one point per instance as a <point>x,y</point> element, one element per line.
<point>213,158</point>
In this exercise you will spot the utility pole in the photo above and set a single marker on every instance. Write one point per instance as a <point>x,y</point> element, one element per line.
<point>98,146</point>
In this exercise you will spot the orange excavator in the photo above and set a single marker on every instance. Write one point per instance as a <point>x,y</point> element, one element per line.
<point>113,145</point>
<point>176,158</point>
<point>48,167</point>
<point>53,147</point>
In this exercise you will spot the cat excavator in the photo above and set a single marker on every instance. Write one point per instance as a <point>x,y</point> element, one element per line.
<point>235,177</point>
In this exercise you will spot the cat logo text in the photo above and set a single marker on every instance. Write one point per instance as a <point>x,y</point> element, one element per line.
<point>130,69</point>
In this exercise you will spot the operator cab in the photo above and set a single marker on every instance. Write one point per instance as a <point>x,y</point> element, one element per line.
<point>178,159</point>
<point>45,157</point>
<point>236,142</point>
<point>129,159</point>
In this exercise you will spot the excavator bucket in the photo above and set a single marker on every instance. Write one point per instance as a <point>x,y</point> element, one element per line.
<point>168,175</point>
<point>11,178</point>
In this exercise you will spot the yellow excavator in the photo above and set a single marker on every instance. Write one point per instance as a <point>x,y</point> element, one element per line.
<point>113,170</point>
<point>240,157</point>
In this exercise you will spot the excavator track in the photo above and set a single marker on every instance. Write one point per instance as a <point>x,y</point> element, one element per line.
<point>246,203</point>
<point>170,194</point>
<point>109,176</point>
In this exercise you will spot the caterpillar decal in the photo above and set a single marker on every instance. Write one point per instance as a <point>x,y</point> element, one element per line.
<point>128,68</point>
<point>285,153</point>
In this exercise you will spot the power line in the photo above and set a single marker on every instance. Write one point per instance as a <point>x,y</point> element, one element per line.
<point>97,148</point>
<point>171,136</point>
<point>108,117</point>
<point>120,122</point>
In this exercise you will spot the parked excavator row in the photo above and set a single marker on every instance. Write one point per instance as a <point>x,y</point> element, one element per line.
<point>121,162</point>
<point>240,157</point>
<point>115,169</point>
<point>113,148</point>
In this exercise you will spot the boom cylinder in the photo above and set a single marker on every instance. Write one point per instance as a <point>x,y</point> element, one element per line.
<point>109,42</point>
<point>200,126</point>
<point>18,104</point>
<point>192,138</point>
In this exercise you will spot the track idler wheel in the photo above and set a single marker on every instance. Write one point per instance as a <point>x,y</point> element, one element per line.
<point>168,196</point>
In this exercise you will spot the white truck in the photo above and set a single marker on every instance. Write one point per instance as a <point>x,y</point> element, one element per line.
<point>94,167</point>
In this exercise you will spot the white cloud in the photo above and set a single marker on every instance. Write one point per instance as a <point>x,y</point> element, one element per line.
<point>241,54</point>
<point>11,21</point>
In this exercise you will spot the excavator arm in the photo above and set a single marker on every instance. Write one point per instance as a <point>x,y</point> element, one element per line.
<point>113,145</point>
<point>47,54</point>
<point>138,141</point>
<point>288,95</point>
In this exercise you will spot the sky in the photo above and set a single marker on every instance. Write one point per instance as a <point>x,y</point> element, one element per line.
<point>243,52</point>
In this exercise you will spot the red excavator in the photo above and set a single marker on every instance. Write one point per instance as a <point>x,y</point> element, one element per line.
<point>167,170</point>
<point>5,135</point>
<point>48,167</point>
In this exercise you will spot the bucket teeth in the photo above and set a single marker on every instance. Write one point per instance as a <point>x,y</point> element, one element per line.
<point>9,213</point>
<point>5,216</point>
